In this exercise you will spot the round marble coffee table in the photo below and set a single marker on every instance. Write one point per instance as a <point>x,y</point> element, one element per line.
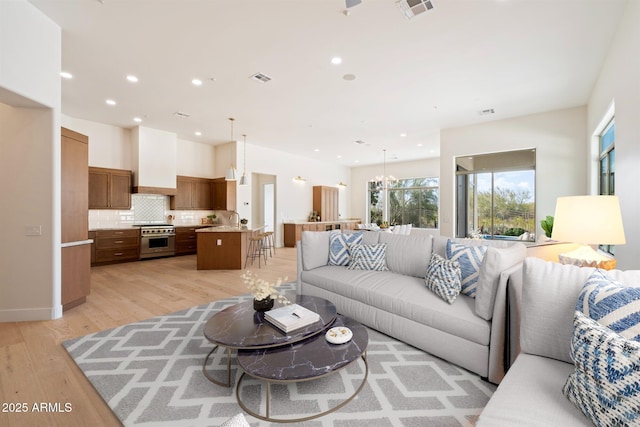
<point>305,360</point>
<point>240,327</point>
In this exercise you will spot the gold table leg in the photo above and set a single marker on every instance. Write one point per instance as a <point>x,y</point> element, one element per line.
<point>209,376</point>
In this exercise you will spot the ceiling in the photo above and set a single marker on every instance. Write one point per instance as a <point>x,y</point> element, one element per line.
<point>412,77</point>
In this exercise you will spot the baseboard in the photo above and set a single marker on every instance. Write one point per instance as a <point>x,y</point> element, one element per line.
<point>28,314</point>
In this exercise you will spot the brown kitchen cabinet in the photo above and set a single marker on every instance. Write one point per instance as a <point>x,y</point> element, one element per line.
<point>193,193</point>
<point>325,202</point>
<point>224,195</point>
<point>109,188</point>
<point>116,245</point>
<point>186,240</point>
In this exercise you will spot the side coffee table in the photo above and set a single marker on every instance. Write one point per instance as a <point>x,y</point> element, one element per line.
<point>305,360</point>
<point>240,327</point>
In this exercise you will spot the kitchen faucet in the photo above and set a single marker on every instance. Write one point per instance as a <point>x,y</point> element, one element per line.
<point>238,215</point>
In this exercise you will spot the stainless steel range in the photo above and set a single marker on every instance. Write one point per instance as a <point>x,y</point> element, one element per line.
<point>157,240</point>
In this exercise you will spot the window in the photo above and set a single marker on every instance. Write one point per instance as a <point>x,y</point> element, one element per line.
<point>410,201</point>
<point>495,196</point>
<point>607,160</point>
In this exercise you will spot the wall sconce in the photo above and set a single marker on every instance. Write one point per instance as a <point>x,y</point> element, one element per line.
<point>342,184</point>
<point>299,179</point>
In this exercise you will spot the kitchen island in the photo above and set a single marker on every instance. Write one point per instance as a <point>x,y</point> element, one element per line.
<point>223,247</point>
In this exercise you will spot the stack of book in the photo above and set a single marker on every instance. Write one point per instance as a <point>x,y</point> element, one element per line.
<point>291,317</point>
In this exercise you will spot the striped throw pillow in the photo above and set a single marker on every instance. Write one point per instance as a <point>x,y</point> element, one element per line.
<point>611,304</point>
<point>339,243</point>
<point>443,278</point>
<point>470,260</point>
<point>368,257</point>
<point>605,383</point>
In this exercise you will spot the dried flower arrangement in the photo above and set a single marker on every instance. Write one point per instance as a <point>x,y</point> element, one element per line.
<point>261,289</point>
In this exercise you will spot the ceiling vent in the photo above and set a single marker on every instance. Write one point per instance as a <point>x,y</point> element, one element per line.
<point>260,77</point>
<point>181,115</point>
<point>486,112</point>
<point>411,8</point>
<point>359,142</point>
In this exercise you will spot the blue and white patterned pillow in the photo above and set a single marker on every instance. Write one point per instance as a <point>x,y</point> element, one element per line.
<point>368,257</point>
<point>443,278</point>
<point>605,385</point>
<point>339,243</point>
<point>470,259</point>
<point>611,304</point>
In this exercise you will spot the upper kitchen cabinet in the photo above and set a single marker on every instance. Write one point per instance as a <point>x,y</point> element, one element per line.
<point>109,188</point>
<point>224,195</point>
<point>193,193</point>
<point>325,202</point>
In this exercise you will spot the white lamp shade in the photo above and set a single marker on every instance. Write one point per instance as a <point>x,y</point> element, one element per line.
<point>590,220</point>
<point>231,174</point>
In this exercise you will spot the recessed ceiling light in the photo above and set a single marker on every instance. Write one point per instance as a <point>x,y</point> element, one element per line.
<point>66,75</point>
<point>316,150</point>
<point>339,156</point>
<point>356,161</point>
<point>336,60</point>
<point>403,134</point>
<point>137,119</point>
<point>196,82</point>
<point>132,78</point>
<point>349,77</point>
<point>110,102</point>
<point>198,133</point>
<point>419,145</point>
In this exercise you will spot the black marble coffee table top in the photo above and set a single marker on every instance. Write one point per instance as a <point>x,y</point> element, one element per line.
<point>307,359</point>
<point>241,327</point>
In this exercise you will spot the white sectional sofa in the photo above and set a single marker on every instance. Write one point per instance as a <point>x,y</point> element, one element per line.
<point>469,333</point>
<point>544,300</point>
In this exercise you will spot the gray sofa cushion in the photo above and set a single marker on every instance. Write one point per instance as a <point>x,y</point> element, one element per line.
<point>405,296</point>
<point>496,260</point>
<point>408,255</point>
<point>315,249</point>
<point>549,295</point>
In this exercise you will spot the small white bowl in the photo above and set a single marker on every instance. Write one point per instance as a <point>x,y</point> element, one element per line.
<point>338,335</point>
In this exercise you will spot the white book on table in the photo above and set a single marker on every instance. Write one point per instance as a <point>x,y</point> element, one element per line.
<point>291,317</point>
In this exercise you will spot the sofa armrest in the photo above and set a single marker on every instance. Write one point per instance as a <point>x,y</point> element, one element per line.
<point>514,308</point>
<point>500,342</point>
<point>299,268</point>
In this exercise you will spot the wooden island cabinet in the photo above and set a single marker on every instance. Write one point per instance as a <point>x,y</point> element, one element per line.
<point>293,230</point>
<point>223,247</point>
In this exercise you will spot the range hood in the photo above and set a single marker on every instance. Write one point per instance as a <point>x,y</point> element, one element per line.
<point>153,159</point>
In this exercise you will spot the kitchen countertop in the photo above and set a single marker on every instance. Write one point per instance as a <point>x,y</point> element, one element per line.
<point>228,229</point>
<point>302,221</point>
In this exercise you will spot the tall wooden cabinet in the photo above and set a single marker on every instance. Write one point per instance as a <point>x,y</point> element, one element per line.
<point>325,202</point>
<point>109,188</point>
<point>76,246</point>
<point>224,195</point>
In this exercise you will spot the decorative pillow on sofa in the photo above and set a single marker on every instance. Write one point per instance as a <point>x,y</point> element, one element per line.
<point>470,260</point>
<point>368,257</point>
<point>443,278</point>
<point>605,383</point>
<point>611,304</point>
<point>339,243</point>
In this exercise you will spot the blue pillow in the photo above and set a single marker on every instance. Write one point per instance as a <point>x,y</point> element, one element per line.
<point>611,304</point>
<point>470,260</point>
<point>443,278</point>
<point>368,257</point>
<point>605,385</point>
<point>339,243</point>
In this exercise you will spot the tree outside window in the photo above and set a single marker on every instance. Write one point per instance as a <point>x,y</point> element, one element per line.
<point>411,201</point>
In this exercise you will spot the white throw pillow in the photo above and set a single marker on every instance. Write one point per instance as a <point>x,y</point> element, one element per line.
<point>315,249</point>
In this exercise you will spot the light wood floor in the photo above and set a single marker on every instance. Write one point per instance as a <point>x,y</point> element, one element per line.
<point>36,368</point>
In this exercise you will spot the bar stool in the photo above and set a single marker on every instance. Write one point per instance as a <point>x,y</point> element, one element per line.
<point>255,250</point>
<point>268,243</point>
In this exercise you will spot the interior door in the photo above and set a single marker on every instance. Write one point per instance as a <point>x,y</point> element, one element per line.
<point>268,207</point>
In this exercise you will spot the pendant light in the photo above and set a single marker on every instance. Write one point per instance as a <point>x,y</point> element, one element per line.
<point>231,172</point>
<point>243,178</point>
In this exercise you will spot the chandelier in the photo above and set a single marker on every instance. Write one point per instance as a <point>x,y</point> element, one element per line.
<point>381,182</point>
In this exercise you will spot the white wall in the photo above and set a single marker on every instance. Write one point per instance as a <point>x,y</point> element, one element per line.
<point>360,176</point>
<point>196,159</point>
<point>619,82</point>
<point>30,52</point>
<point>559,138</point>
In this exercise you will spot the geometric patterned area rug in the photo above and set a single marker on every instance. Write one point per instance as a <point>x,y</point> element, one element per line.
<point>150,374</point>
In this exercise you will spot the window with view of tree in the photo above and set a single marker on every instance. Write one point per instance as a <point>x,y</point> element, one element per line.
<point>410,201</point>
<point>495,196</point>
<point>607,160</point>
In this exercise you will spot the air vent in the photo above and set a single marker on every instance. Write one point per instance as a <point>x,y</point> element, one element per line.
<point>260,77</point>
<point>411,8</point>
<point>181,115</point>
<point>486,112</point>
<point>359,142</point>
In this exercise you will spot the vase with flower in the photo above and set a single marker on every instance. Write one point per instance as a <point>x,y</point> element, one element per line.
<point>265,294</point>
